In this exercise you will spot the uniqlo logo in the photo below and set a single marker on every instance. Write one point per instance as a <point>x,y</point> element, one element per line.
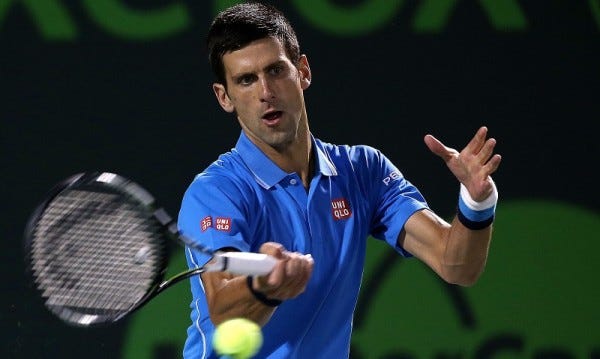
<point>340,209</point>
<point>223,224</point>
<point>206,223</point>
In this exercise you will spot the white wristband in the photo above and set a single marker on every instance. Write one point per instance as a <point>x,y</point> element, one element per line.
<point>479,206</point>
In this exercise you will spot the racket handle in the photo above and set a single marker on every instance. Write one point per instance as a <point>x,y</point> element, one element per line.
<point>246,263</point>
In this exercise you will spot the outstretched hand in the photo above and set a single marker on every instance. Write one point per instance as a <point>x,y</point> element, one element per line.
<point>473,165</point>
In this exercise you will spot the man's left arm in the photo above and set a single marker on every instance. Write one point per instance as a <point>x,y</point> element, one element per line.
<point>457,251</point>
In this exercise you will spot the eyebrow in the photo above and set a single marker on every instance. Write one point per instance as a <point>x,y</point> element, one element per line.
<point>274,64</point>
<point>279,62</point>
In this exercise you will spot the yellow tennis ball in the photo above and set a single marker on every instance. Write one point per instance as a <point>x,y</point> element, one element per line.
<point>238,338</point>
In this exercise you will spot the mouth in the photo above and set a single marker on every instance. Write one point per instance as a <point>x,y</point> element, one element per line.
<point>272,118</point>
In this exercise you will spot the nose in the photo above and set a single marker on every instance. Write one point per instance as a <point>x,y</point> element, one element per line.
<point>266,90</point>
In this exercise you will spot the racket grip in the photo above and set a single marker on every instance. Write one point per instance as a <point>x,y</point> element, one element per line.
<point>246,263</point>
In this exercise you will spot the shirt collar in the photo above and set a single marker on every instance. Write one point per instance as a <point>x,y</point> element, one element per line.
<point>266,172</point>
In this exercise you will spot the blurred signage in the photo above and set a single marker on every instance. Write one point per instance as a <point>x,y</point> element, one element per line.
<point>55,21</point>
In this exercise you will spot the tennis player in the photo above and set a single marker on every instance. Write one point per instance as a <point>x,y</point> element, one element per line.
<point>311,204</point>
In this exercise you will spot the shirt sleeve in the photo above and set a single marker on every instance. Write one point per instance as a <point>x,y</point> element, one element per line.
<point>214,213</point>
<point>394,199</point>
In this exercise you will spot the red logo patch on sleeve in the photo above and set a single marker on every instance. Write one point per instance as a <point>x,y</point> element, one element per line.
<point>223,224</point>
<point>206,223</point>
<point>340,209</point>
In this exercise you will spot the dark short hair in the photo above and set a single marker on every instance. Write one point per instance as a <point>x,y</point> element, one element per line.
<point>239,25</point>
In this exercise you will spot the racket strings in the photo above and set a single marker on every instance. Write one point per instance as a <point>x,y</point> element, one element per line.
<point>94,251</point>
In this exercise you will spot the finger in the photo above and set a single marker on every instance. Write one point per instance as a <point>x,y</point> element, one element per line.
<point>309,259</point>
<point>273,249</point>
<point>486,151</point>
<point>301,271</point>
<point>307,267</point>
<point>438,148</point>
<point>274,279</point>
<point>277,275</point>
<point>301,276</point>
<point>492,165</point>
<point>307,270</point>
<point>474,146</point>
<point>293,265</point>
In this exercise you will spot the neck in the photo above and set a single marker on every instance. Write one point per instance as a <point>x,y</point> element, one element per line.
<point>297,157</point>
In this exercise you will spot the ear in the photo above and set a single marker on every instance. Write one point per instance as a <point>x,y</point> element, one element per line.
<point>304,71</point>
<point>223,97</point>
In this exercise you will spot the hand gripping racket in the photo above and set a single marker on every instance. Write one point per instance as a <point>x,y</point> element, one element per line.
<point>97,249</point>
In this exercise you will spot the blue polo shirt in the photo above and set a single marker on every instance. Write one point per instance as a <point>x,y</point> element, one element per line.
<point>243,200</point>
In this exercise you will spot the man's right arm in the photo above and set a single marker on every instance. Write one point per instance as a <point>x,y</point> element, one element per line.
<point>229,296</point>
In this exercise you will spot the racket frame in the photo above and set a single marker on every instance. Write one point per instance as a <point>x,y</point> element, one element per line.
<point>123,186</point>
<point>233,262</point>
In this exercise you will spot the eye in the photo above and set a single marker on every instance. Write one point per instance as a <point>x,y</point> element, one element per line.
<point>276,70</point>
<point>246,79</point>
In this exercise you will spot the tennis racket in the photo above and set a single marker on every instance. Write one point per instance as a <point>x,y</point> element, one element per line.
<point>97,249</point>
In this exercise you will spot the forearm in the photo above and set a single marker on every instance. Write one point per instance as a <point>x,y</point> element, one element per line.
<point>465,253</point>
<point>469,238</point>
<point>231,298</point>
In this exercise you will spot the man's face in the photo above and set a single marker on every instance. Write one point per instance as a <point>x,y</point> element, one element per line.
<point>265,89</point>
